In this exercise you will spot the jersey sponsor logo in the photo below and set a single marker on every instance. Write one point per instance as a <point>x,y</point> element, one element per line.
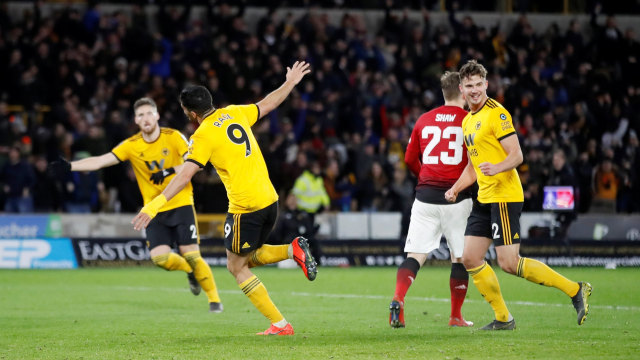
<point>506,125</point>
<point>153,165</point>
<point>445,117</point>
<point>469,139</point>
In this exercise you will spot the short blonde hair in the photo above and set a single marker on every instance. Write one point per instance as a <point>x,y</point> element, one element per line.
<point>145,101</point>
<point>450,84</point>
<point>472,68</point>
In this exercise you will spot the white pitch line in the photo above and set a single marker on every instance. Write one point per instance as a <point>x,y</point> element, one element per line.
<point>431,299</point>
<point>382,297</point>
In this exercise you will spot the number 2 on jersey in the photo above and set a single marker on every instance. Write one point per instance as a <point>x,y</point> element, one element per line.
<point>454,144</point>
<point>242,139</point>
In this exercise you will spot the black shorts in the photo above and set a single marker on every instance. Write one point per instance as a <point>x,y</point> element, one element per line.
<point>244,233</point>
<point>497,221</point>
<point>174,227</point>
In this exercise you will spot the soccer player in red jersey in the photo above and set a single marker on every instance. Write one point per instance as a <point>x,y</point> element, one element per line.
<point>437,155</point>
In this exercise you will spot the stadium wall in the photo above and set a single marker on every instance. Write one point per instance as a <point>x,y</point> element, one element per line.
<point>372,18</point>
<point>70,241</point>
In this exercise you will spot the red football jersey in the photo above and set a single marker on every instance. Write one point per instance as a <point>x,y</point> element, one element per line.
<point>436,153</point>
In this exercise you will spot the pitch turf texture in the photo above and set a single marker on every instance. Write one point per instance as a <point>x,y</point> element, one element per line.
<point>147,313</point>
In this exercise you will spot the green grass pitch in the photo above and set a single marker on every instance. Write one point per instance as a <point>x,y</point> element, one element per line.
<point>147,313</point>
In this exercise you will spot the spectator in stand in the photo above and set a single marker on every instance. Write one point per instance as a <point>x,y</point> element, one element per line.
<point>46,190</point>
<point>84,190</point>
<point>606,183</point>
<point>89,65</point>
<point>373,191</point>
<point>563,175</point>
<point>18,180</point>
<point>339,188</point>
<point>293,222</point>
<point>310,192</point>
<point>401,195</point>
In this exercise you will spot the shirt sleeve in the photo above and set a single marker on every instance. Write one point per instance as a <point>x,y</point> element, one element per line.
<point>121,151</point>
<point>502,124</point>
<point>182,144</point>
<point>411,156</point>
<point>250,111</point>
<point>200,149</point>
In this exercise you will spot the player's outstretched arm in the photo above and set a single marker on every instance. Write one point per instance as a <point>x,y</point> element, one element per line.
<point>150,210</point>
<point>276,97</point>
<point>87,164</point>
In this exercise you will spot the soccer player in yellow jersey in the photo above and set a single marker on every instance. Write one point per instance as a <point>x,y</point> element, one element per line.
<point>494,152</point>
<point>156,153</point>
<point>225,139</point>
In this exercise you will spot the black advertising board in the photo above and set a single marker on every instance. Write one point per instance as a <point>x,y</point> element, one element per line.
<point>133,252</point>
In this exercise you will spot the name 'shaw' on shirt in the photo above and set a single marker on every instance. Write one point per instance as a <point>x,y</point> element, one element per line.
<point>445,117</point>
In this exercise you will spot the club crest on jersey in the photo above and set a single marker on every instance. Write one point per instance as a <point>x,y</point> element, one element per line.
<point>478,125</point>
<point>165,152</point>
<point>190,146</point>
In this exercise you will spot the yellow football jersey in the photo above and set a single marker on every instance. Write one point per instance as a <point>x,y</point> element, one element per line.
<point>147,158</point>
<point>483,131</point>
<point>225,139</point>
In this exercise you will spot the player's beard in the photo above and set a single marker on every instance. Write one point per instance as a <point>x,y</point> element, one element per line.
<point>150,132</point>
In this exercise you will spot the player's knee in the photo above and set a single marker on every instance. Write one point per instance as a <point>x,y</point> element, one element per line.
<point>471,262</point>
<point>161,261</point>
<point>508,265</point>
<point>233,269</point>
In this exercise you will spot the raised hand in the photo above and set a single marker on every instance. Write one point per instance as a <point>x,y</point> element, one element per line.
<point>298,71</point>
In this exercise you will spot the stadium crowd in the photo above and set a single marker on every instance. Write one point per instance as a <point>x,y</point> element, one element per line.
<point>68,82</point>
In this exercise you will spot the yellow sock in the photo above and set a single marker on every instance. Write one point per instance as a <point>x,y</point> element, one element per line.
<point>487,283</point>
<point>539,273</point>
<point>257,293</point>
<point>269,254</point>
<point>171,261</point>
<point>203,274</point>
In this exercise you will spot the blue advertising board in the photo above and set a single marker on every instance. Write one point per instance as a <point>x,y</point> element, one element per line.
<point>37,254</point>
<point>30,226</point>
